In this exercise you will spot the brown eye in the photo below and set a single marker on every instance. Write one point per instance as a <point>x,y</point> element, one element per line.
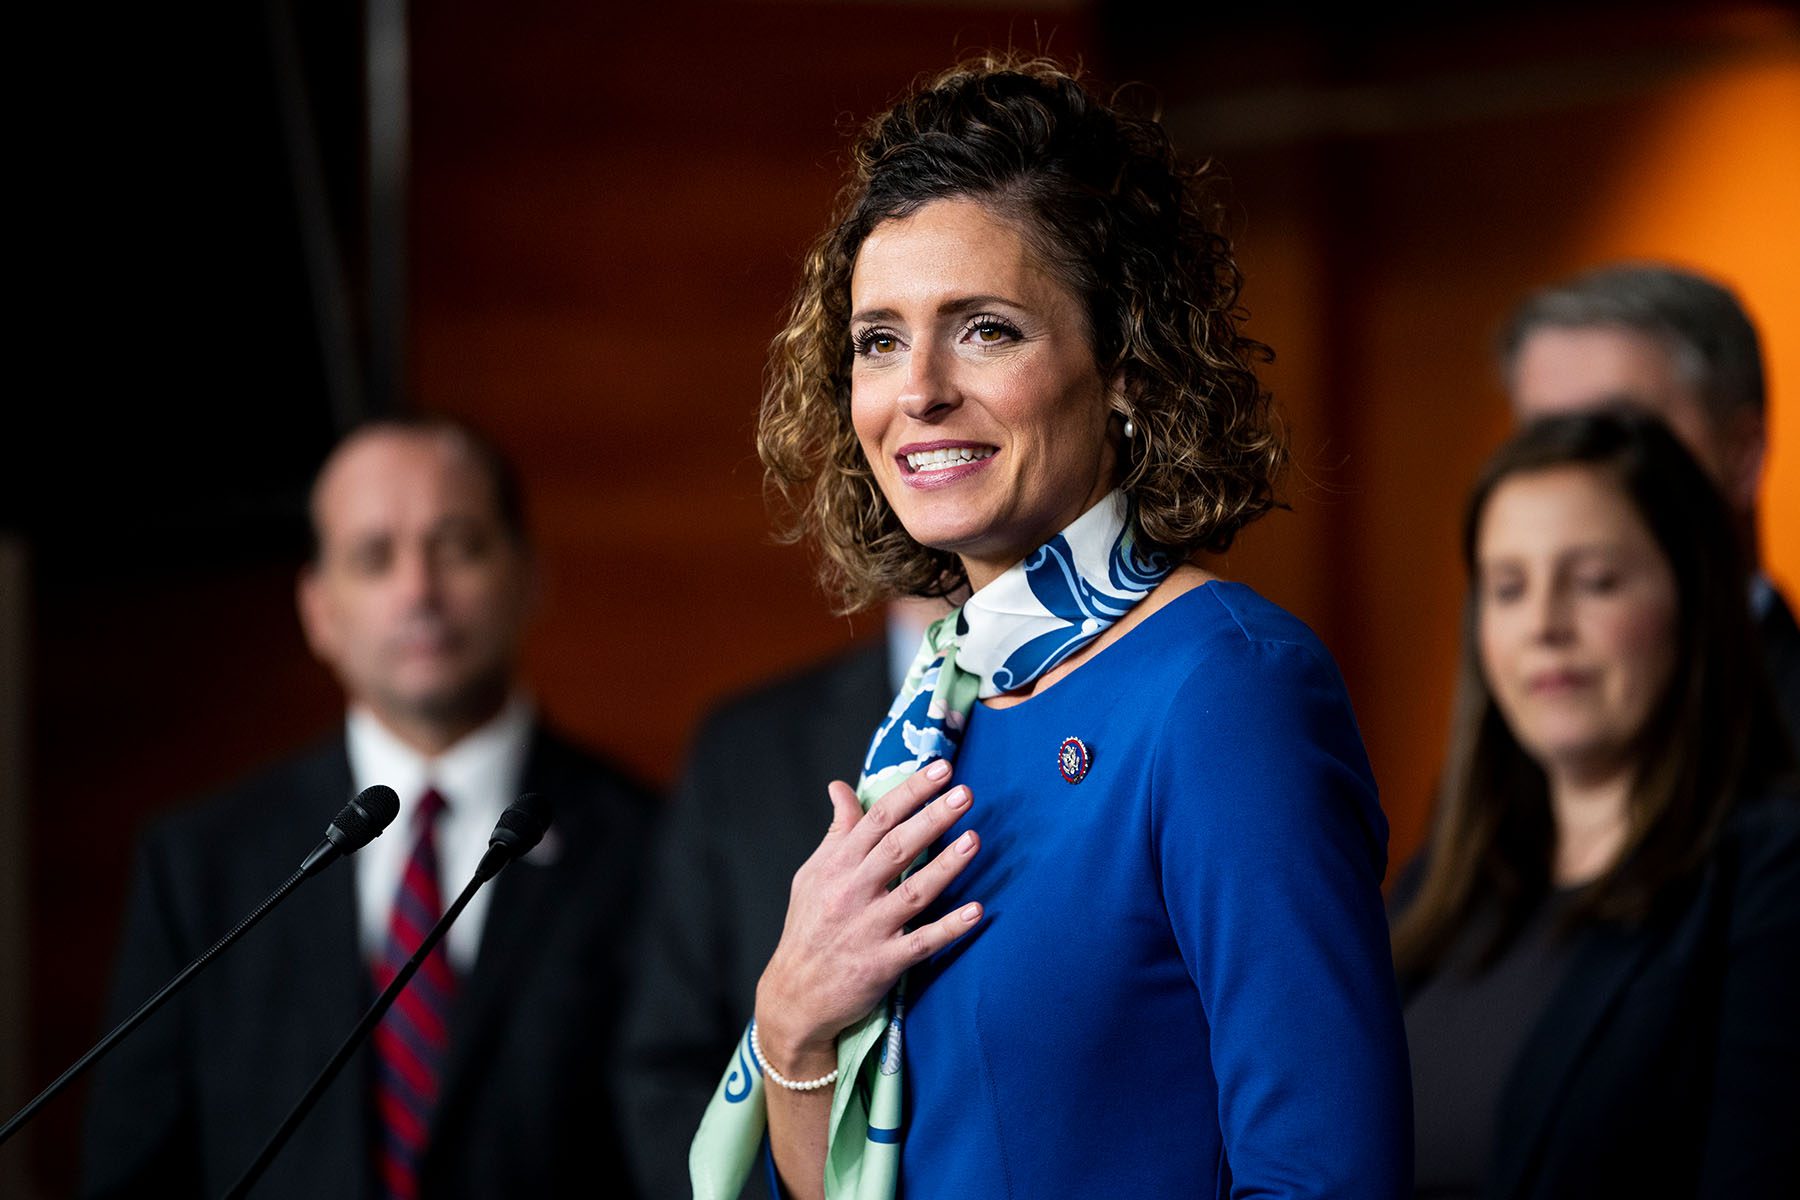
<point>462,542</point>
<point>875,343</point>
<point>991,331</point>
<point>465,548</point>
<point>370,558</point>
<point>1502,589</point>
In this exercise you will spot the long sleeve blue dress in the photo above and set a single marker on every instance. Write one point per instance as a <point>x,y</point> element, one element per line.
<point>1182,986</point>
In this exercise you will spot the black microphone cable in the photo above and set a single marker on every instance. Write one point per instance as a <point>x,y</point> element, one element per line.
<point>519,829</point>
<point>355,826</point>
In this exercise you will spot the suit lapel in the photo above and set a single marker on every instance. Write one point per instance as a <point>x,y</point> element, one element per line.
<point>1781,655</point>
<point>321,958</point>
<point>857,700</point>
<point>1605,961</point>
<point>524,896</point>
<point>1776,622</point>
<point>341,991</point>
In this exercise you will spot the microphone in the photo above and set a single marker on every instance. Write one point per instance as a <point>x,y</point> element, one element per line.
<point>356,824</point>
<point>520,828</point>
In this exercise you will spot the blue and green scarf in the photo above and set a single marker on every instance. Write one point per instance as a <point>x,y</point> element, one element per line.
<point>1004,638</point>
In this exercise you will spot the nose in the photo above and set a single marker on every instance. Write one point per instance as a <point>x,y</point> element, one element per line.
<point>417,576</point>
<point>1552,617</point>
<point>929,391</point>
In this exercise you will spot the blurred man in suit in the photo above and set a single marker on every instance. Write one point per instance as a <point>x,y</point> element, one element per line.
<point>1682,346</point>
<point>750,807</point>
<point>488,1077</point>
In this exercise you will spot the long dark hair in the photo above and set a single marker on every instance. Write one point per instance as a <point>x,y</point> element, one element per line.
<point>1711,737</point>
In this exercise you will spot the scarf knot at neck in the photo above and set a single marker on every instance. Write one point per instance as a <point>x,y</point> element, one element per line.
<point>1011,633</point>
<point>1063,595</point>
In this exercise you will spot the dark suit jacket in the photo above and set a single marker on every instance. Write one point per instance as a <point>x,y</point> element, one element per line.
<point>1667,1061</point>
<point>749,810</point>
<point>185,1104</point>
<point>1781,653</point>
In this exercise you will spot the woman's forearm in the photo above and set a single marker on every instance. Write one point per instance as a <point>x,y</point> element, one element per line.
<point>799,1121</point>
<point>845,940</point>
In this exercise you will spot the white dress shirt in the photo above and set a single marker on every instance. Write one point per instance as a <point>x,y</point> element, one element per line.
<point>477,777</point>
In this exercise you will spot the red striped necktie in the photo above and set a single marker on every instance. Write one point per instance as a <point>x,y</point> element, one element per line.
<point>411,1040</point>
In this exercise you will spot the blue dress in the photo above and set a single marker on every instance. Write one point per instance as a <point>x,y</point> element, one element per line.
<point>1182,986</point>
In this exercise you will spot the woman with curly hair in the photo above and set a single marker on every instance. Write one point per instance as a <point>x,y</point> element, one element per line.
<point>1135,946</point>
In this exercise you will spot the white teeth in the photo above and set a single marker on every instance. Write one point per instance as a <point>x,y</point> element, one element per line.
<point>939,460</point>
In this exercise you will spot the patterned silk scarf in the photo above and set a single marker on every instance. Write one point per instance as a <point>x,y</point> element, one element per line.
<point>1042,610</point>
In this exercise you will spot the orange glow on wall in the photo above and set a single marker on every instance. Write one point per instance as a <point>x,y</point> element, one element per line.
<point>1714,183</point>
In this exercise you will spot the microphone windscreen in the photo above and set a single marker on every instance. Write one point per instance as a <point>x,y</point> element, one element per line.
<point>523,823</point>
<point>371,812</point>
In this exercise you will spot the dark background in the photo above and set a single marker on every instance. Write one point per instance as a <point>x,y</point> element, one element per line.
<point>599,220</point>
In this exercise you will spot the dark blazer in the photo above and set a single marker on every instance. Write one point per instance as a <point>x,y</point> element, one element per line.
<point>750,808</point>
<point>1667,1061</point>
<point>1781,654</point>
<point>185,1104</point>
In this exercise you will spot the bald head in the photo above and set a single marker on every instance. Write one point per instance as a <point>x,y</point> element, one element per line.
<point>420,583</point>
<point>499,476</point>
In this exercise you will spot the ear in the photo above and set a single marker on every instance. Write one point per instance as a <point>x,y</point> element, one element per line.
<point>315,615</point>
<point>1119,394</point>
<point>531,583</point>
<point>1745,444</point>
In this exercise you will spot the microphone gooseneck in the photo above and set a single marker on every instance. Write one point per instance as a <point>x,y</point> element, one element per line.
<point>359,822</point>
<point>520,828</point>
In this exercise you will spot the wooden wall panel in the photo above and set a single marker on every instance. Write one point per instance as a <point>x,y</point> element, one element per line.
<point>148,691</point>
<point>611,209</point>
<point>608,205</point>
<point>1397,206</point>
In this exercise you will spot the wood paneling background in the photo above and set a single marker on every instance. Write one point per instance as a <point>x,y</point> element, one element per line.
<point>608,209</point>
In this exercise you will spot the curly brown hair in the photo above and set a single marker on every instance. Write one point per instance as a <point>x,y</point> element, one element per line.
<point>1103,199</point>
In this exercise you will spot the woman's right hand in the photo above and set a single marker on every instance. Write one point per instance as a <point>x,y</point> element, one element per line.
<point>846,939</point>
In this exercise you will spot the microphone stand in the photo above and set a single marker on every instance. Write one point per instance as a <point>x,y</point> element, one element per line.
<point>354,1042</point>
<point>356,823</point>
<point>151,1005</point>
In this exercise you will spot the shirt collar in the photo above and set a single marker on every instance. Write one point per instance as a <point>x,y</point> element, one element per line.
<point>479,774</point>
<point>1762,595</point>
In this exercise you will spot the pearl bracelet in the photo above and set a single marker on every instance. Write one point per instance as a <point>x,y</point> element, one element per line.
<point>792,1085</point>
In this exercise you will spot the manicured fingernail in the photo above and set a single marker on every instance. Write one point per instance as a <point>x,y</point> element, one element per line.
<point>938,770</point>
<point>966,842</point>
<point>971,913</point>
<point>957,797</point>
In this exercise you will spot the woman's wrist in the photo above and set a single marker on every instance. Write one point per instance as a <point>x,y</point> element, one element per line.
<point>791,1057</point>
<point>779,1079</point>
<point>793,1051</point>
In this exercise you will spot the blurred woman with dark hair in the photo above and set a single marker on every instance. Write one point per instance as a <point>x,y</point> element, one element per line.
<point>1600,950</point>
<point>1156,964</point>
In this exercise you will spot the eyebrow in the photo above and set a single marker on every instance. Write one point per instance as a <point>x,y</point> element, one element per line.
<point>1577,551</point>
<point>950,308</point>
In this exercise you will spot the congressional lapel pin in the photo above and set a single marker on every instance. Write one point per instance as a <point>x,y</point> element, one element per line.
<point>1073,759</point>
<point>547,851</point>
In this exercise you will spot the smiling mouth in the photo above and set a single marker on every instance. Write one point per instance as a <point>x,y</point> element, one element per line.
<point>923,462</point>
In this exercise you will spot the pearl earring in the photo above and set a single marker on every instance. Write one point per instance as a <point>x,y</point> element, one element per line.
<point>1130,429</point>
